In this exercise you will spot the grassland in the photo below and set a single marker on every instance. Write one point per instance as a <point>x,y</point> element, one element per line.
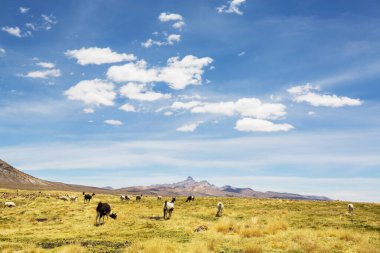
<point>46,224</point>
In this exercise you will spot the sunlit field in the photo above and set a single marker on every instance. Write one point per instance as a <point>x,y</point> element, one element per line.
<point>42,223</point>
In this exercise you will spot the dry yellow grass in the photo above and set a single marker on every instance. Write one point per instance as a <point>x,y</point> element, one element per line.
<point>47,224</point>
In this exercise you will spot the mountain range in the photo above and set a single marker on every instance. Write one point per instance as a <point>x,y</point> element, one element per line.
<point>13,178</point>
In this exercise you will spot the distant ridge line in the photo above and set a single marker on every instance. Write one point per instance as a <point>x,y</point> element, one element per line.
<point>13,178</point>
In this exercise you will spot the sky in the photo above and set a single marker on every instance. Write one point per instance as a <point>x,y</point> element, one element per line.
<point>273,95</point>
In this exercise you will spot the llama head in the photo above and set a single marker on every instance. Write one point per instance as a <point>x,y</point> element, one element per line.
<point>93,194</point>
<point>113,216</point>
<point>173,200</point>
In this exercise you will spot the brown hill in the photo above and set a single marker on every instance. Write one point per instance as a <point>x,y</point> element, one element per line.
<point>13,178</point>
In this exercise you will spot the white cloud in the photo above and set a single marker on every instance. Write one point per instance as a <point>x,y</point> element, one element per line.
<point>166,17</point>
<point>47,65</point>
<point>311,113</point>
<point>127,108</point>
<point>176,18</point>
<point>136,71</point>
<point>168,113</point>
<point>140,92</point>
<point>181,73</point>
<point>191,127</point>
<point>171,39</point>
<point>246,107</point>
<point>23,10</point>
<point>185,105</point>
<point>178,25</point>
<point>150,42</point>
<point>192,96</point>
<point>92,92</point>
<point>15,31</point>
<point>253,107</point>
<point>241,53</point>
<point>223,108</point>
<point>233,7</point>
<point>2,51</point>
<point>300,89</point>
<point>177,74</point>
<point>45,23</point>
<point>260,125</point>
<point>44,73</point>
<point>31,26</point>
<point>326,100</point>
<point>48,22</point>
<point>307,93</point>
<point>96,55</point>
<point>88,110</point>
<point>113,122</point>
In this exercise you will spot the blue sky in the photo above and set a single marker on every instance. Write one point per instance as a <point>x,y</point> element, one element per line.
<point>272,95</point>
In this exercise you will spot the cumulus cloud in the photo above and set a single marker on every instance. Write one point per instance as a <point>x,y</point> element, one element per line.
<point>178,25</point>
<point>43,74</point>
<point>246,107</point>
<point>172,17</point>
<point>168,113</point>
<point>128,108</point>
<point>260,125</point>
<point>232,7</point>
<point>311,95</point>
<point>47,65</point>
<point>190,127</point>
<point>2,51</point>
<point>166,17</point>
<point>141,92</point>
<point>15,31</point>
<point>23,10</point>
<point>181,73</point>
<point>178,74</point>
<point>113,122</point>
<point>92,92</point>
<point>98,56</point>
<point>171,39</point>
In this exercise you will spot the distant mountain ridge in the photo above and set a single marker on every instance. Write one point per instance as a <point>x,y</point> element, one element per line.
<point>204,188</point>
<point>13,178</point>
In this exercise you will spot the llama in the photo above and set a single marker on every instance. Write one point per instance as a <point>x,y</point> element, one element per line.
<point>220,207</point>
<point>102,210</point>
<point>125,197</point>
<point>9,204</point>
<point>64,198</point>
<point>168,209</point>
<point>159,197</point>
<point>72,197</point>
<point>138,198</point>
<point>350,208</point>
<point>190,198</point>
<point>87,197</point>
